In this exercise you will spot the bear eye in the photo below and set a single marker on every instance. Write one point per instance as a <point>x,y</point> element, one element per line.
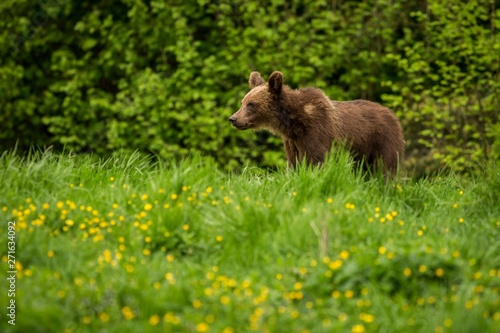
<point>250,105</point>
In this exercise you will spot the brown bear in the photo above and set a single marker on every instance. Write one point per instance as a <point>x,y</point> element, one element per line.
<point>309,123</point>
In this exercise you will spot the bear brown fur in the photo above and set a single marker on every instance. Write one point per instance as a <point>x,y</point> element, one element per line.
<point>309,123</point>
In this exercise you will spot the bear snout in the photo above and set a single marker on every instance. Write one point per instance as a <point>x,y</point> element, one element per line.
<point>232,120</point>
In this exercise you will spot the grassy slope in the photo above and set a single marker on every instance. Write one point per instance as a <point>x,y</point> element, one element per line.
<point>126,245</point>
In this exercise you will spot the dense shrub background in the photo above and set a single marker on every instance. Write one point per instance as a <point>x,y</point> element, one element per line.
<point>164,76</point>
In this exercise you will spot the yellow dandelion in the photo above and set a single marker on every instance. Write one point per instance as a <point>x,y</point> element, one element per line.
<point>225,300</point>
<point>294,193</point>
<point>197,304</point>
<point>209,189</point>
<point>148,206</point>
<point>104,317</point>
<point>143,197</point>
<point>202,327</point>
<point>461,220</point>
<point>78,281</point>
<point>173,196</point>
<point>439,272</point>
<point>170,258</point>
<point>185,227</point>
<point>344,254</point>
<point>367,318</point>
<point>422,268</point>
<point>107,255</point>
<point>279,276</point>
<point>334,265</point>
<point>407,272</point>
<point>50,254</point>
<point>111,179</point>
<point>297,286</point>
<point>219,238</point>
<point>382,250</point>
<point>128,313</point>
<point>349,294</point>
<point>358,329</point>
<point>329,200</point>
<point>154,320</point>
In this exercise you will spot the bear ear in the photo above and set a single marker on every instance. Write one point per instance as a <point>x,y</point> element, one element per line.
<point>275,82</point>
<point>255,80</point>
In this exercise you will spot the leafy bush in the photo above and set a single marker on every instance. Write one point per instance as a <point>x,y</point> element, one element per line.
<point>164,76</point>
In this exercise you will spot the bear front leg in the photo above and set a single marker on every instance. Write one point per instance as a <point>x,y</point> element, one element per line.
<point>291,153</point>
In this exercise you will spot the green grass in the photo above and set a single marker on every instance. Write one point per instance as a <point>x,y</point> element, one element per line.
<point>129,245</point>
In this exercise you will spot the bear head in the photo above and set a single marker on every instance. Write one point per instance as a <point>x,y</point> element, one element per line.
<point>260,108</point>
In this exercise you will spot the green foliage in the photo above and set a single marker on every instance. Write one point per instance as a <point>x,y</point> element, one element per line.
<point>129,244</point>
<point>448,95</point>
<point>164,76</point>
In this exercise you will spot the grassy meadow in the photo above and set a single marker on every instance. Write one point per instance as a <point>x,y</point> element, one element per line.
<point>128,244</point>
